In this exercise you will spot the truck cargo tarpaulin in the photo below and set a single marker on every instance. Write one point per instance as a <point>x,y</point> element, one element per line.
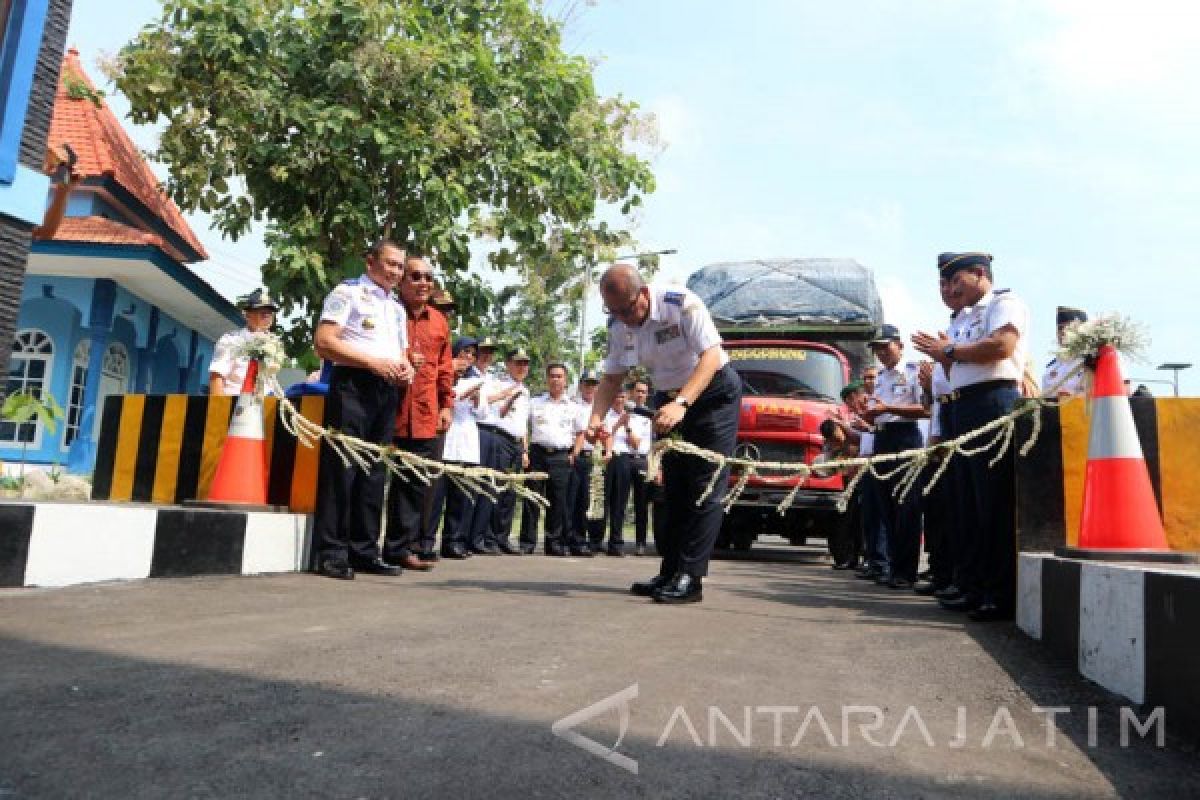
<point>813,294</point>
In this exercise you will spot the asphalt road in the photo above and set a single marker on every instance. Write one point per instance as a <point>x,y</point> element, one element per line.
<point>447,684</point>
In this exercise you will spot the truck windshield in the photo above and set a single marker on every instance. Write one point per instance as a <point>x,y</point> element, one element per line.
<point>787,372</point>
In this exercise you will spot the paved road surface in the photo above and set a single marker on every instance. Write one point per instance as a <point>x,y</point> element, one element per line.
<point>447,684</point>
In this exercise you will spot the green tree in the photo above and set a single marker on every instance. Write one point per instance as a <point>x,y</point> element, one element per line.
<point>338,121</point>
<point>27,408</point>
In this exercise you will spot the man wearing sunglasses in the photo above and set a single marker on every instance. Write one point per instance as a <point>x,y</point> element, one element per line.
<point>670,332</point>
<point>425,410</point>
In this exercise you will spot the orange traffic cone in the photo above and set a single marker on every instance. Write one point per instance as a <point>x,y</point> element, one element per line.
<point>1120,516</point>
<point>241,475</point>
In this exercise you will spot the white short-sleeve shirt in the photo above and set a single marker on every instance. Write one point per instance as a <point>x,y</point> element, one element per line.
<point>552,422</point>
<point>516,422</point>
<point>896,387</point>
<point>642,429</point>
<point>582,417</point>
<point>371,319</point>
<point>995,310</point>
<point>226,363</point>
<point>462,437</point>
<point>669,343</point>
<point>1055,381</point>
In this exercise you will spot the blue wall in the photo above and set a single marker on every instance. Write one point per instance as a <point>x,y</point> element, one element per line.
<point>59,306</point>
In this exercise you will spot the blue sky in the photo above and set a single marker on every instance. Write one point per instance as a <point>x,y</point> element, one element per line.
<point>1059,135</point>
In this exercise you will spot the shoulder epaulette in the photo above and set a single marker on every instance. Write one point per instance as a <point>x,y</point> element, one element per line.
<point>674,298</point>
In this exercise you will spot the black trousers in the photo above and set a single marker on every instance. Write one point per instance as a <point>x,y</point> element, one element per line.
<point>938,514</point>
<point>406,501</point>
<point>899,520</point>
<point>986,513</point>
<point>626,473</point>
<point>558,530</point>
<point>579,498</point>
<point>687,540</point>
<point>506,455</point>
<point>460,516</point>
<point>481,525</point>
<point>349,501</point>
<point>435,503</point>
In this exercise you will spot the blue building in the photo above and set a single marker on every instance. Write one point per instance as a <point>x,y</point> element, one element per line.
<point>109,304</point>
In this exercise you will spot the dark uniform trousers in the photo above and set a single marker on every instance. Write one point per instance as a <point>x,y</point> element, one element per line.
<point>938,510</point>
<point>460,515</point>
<point>899,521</point>
<point>557,464</point>
<point>481,526</point>
<point>506,455</point>
<point>406,500</point>
<point>435,503</point>
<point>579,498</point>
<point>874,543</point>
<point>986,513</point>
<point>349,501</point>
<point>690,531</point>
<point>626,473</point>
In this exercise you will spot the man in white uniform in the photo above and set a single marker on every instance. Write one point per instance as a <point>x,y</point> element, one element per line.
<point>227,371</point>
<point>1064,377</point>
<point>671,333</point>
<point>552,435</point>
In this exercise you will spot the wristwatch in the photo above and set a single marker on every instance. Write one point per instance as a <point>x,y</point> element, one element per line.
<point>683,401</point>
<point>948,351</point>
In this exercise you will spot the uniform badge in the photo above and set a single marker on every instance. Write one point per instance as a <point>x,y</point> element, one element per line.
<point>368,324</point>
<point>666,334</point>
<point>335,304</point>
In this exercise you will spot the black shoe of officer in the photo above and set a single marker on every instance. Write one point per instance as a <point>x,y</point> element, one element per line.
<point>991,612</point>
<point>616,552</point>
<point>377,566</point>
<point>683,588</point>
<point>335,568</point>
<point>948,593</point>
<point>899,583</point>
<point>486,550</point>
<point>527,549</point>
<point>555,550</point>
<point>640,550</point>
<point>648,588</point>
<point>582,551</point>
<point>867,573</point>
<point>964,602</point>
<point>883,578</point>
<point>508,549</point>
<point>455,551</point>
<point>927,588</point>
<point>428,555</point>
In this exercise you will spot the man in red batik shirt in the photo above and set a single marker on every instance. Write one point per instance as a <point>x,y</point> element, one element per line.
<point>425,410</point>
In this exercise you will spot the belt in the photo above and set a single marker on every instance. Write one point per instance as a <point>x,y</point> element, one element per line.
<point>496,429</point>
<point>899,425</point>
<point>980,388</point>
<point>552,451</point>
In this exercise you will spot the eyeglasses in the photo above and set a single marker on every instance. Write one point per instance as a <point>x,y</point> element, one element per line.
<point>417,277</point>
<point>627,309</point>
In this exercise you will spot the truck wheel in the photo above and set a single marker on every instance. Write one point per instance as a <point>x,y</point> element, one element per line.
<point>843,540</point>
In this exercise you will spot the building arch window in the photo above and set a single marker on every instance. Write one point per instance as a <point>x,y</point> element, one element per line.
<point>114,379</point>
<point>79,374</point>
<point>28,371</point>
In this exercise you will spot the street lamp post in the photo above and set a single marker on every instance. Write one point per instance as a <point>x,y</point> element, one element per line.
<point>1175,367</point>
<point>587,290</point>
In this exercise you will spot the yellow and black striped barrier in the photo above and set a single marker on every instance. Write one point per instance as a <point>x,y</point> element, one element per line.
<point>1050,480</point>
<point>164,449</point>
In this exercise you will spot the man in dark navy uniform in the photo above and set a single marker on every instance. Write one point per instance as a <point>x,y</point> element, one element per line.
<point>671,333</point>
<point>984,355</point>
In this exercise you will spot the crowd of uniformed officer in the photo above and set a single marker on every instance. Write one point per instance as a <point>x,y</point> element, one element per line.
<point>393,365</point>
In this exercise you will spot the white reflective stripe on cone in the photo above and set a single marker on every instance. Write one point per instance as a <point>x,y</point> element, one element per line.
<point>247,420</point>
<point>1112,433</point>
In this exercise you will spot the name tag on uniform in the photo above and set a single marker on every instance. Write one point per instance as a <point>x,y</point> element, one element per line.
<point>667,334</point>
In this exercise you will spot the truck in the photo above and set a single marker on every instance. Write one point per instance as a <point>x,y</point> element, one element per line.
<point>796,330</point>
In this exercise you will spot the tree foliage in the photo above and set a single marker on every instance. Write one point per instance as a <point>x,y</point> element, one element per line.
<point>340,121</point>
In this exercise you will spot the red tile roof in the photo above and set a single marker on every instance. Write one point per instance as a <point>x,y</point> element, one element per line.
<point>102,230</point>
<point>106,151</point>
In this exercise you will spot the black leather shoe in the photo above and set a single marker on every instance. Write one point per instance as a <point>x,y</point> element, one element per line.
<point>616,552</point>
<point>883,578</point>
<point>527,549</point>
<point>335,568</point>
<point>683,588</point>
<point>428,555</point>
<point>927,588</point>
<point>948,593</point>
<point>377,566</point>
<point>486,550</point>
<point>964,602</point>
<point>508,549</point>
<point>840,565</point>
<point>648,588</point>
<point>991,612</point>
<point>582,552</point>
<point>555,550</point>
<point>640,550</point>
<point>867,574</point>
<point>899,583</point>
<point>455,551</point>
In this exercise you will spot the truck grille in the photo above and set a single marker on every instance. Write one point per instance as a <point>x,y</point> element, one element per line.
<point>771,451</point>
